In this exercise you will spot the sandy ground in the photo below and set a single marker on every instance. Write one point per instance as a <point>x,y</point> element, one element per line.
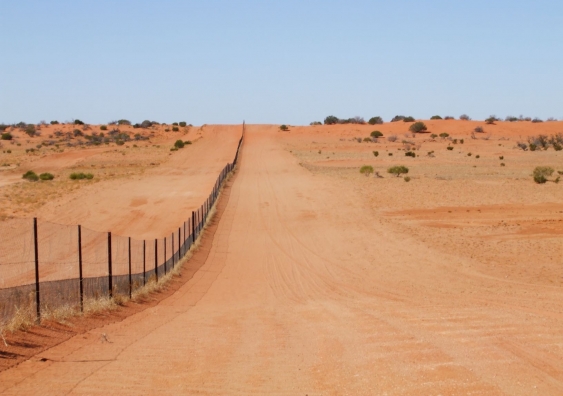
<point>323,281</point>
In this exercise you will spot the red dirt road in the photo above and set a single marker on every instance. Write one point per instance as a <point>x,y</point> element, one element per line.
<point>307,291</point>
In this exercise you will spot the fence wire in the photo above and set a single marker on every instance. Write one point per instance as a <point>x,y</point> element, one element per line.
<point>69,264</point>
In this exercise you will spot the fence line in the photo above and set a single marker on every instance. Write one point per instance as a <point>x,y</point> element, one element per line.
<point>44,265</point>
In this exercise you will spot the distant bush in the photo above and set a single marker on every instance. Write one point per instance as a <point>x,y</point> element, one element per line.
<point>81,176</point>
<point>477,156</point>
<point>444,135</point>
<point>436,117</point>
<point>182,124</point>
<point>418,127</point>
<point>410,154</point>
<point>284,128</point>
<point>46,176</point>
<point>78,122</point>
<point>449,118</point>
<point>77,132</point>
<point>123,122</point>
<point>175,129</point>
<point>398,170</point>
<point>376,153</point>
<point>461,141</point>
<point>366,170</point>
<point>375,120</point>
<point>479,129</point>
<point>464,117</point>
<point>103,127</point>
<point>550,119</point>
<point>501,157</point>
<point>187,142</point>
<point>30,175</point>
<point>390,154</point>
<point>407,179</point>
<point>469,154</point>
<point>332,120</point>
<point>376,134</point>
<point>146,124</point>
<point>450,148</point>
<point>557,147</point>
<point>511,118</point>
<point>367,139</point>
<point>55,122</point>
<point>541,173</point>
<point>408,119</point>
<point>6,136</point>
<point>316,123</point>
<point>179,144</point>
<point>175,123</point>
<point>502,164</point>
<point>398,118</point>
<point>392,138</point>
<point>533,147</point>
<point>491,120</point>
<point>536,120</point>
<point>433,136</point>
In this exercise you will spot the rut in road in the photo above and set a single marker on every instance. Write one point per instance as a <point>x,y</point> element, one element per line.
<point>305,291</point>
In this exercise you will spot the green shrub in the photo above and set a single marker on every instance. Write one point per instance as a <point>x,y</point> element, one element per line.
<point>6,136</point>
<point>557,147</point>
<point>103,127</point>
<point>376,153</point>
<point>410,154</point>
<point>77,132</point>
<point>46,176</point>
<point>81,176</point>
<point>376,134</point>
<point>398,170</point>
<point>175,123</point>
<point>123,122</point>
<point>175,129</point>
<point>366,170</point>
<point>187,142</point>
<point>450,148</point>
<point>30,130</point>
<point>444,135</point>
<point>433,136</point>
<point>284,128</point>
<point>436,117</point>
<point>418,127</point>
<point>182,124</point>
<point>409,119</point>
<point>541,173</point>
<point>533,147</point>
<point>78,122</point>
<point>536,120</point>
<point>375,120</point>
<point>54,122</point>
<point>464,117</point>
<point>407,179</point>
<point>316,123</point>
<point>179,144</point>
<point>479,129</point>
<point>30,175</point>
<point>331,120</point>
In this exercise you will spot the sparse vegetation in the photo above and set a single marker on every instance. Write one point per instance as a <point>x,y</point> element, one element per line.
<point>123,122</point>
<point>398,170</point>
<point>54,122</point>
<point>408,119</point>
<point>375,120</point>
<point>316,123</point>
<point>479,129</point>
<point>179,144</point>
<point>366,170</point>
<point>175,129</point>
<point>46,176</point>
<point>410,154</point>
<point>30,176</point>
<point>392,138</point>
<point>78,122</point>
<point>541,173</point>
<point>444,135</point>
<point>450,148</point>
<point>464,117</point>
<point>103,127</point>
<point>30,130</point>
<point>376,153</point>
<point>436,117</point>
<point>418,127</point>
<point>407,179</point>
<point>491,120</point>
<point>6,136</point>
<point>376,134</point>
<point>398,118</point>
<point>536,120</point>
<point>81,176</point>
<point>502,164</point>
<point>284,128</point>
<point>449,118</point>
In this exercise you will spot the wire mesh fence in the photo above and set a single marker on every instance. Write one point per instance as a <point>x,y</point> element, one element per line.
<point>45,266</point>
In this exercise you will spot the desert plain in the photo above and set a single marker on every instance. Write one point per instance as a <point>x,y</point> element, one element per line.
<point>319,279</point>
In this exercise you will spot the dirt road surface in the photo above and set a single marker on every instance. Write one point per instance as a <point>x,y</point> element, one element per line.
<point>308,291</point>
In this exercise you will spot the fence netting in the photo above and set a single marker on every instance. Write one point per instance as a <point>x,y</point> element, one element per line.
<point>69,264</point>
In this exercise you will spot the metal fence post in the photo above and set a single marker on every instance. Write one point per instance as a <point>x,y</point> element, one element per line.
<point>179,242</point>
<point>164,255</point>
<point>173,252</point>
<point>193,227</point>
<point>110,275</point>
<point>130,280</point>
<point>144,262</point>
<point>81,279</point>
<point>156,259</point>
<point>36,245</point>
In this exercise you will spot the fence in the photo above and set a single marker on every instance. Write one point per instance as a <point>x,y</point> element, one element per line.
<point>44,266</point>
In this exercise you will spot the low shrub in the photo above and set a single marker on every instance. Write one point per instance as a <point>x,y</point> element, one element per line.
<point>533,147</point>
<point>541,173</point>
<point>46,176</point>
<point>316,123</point>
<point>103,127</point>
<point>433,136</point>
<point>30,175</point>
<point>557,147</point>
<point>78,122</point>
<point>284,128</point>
<point>182,124</point>
<point>30,130</point>
<point>77,132</point>
<point>8,151</point>
<point>187,142</point>
<point>469,154</point>
<point>54,122</point>
<point>536,120</point>
<point>175,129</point>
<point>464,117</point>
<point>398,170</point>
<point>376,134</point>
<point>511,118</point>
<point>390,154</point>
<point>146,124</point>
<point>461,141</point>
<point>392,138</point>
<point>418,127</point>
<point>410,154</point>
<point>376,153</point>
<point>444,135</point>
<point>366,170</point>
<point>123,122</point>
<point>502,164</point>
<point>407,179</point>
<point>491,120</point>
<point>331,120</point>
<point>367,139</point>
<point>81,176</point>
<point>408,119</point>
<point>501,157</point>
<point>449,118</point>
<point>450,148</point>
<point>6,136</point>
<point>477,156</point>
<point>436,117</point>
<point>479,129</point>
<point>179,144</point>
<point>375,120</point>
<point>398,118</point>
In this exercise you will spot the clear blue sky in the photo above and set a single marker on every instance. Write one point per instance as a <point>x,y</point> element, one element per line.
<point>291,61</point>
